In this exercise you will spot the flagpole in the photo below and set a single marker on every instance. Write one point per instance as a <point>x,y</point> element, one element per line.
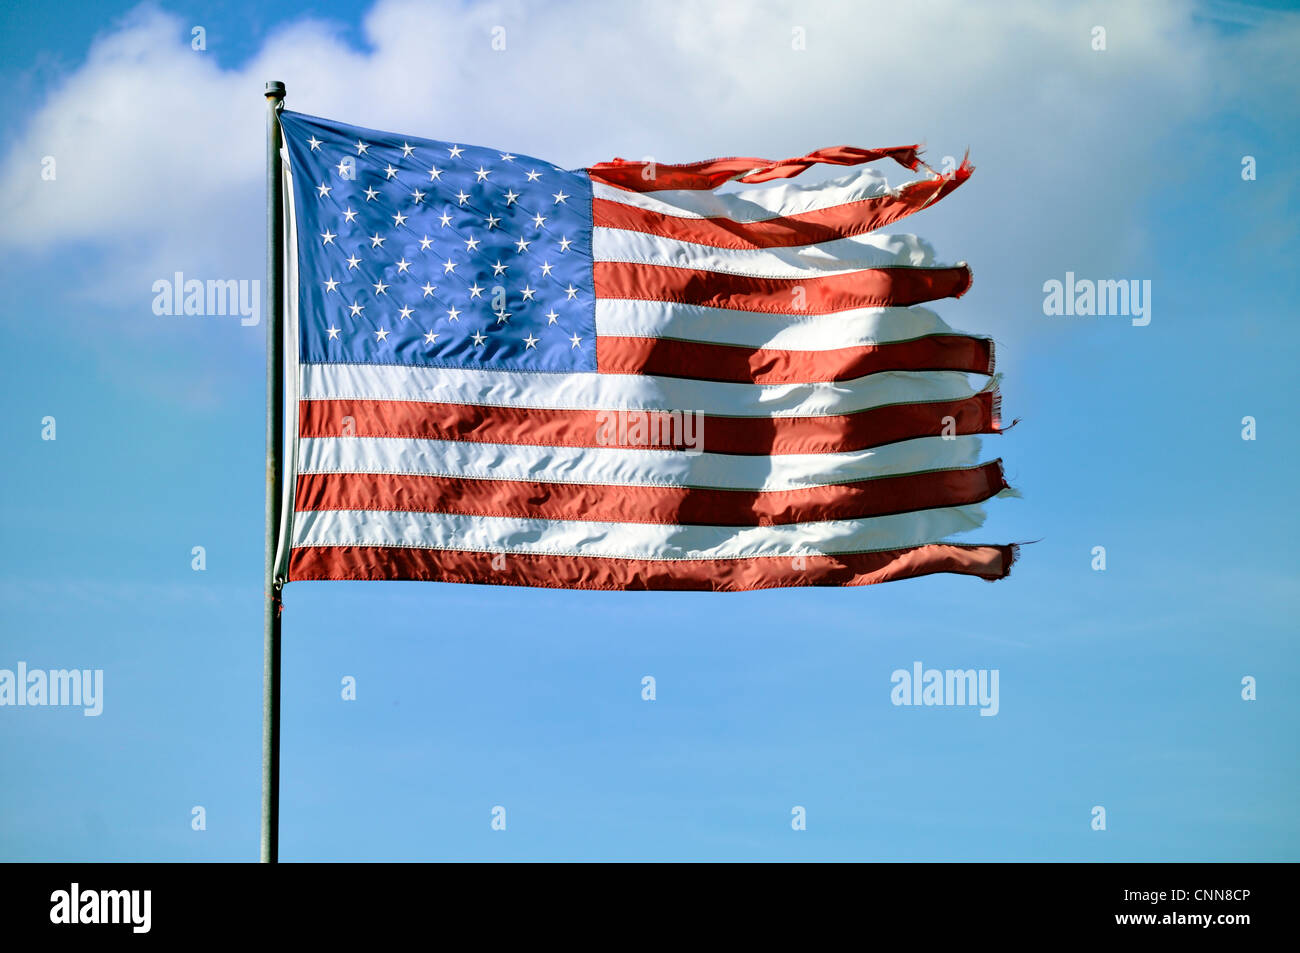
<point>274,442</point>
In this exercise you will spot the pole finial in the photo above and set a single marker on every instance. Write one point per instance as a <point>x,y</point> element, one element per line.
<point>274,89</point>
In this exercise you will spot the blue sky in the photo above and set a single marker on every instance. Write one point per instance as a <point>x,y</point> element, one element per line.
<point>1119,688</point>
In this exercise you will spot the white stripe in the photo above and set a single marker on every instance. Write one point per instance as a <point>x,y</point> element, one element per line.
<point>839,256</point>
<point>623,317</point>
<point>591,391</point>
<point>627,466</point>
<point>629,540</point>
<point>752,204</point>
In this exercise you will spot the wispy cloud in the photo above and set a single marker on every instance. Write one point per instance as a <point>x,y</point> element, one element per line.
<point>159,147</point>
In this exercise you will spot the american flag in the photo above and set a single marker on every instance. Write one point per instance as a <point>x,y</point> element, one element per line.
<point>631,376</point>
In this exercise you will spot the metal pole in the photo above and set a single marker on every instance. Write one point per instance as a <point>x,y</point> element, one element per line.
<point>274,442</point>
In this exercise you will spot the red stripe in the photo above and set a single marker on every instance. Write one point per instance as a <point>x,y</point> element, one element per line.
<point>804,228</point>
<point>868,288</point>
<point>709,174</point>
<point>596,572</point>
<point>585,428</point>
<point>670,357</point>
<point>678,505</point>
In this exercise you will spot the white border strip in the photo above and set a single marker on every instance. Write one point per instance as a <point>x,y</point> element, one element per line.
<point>289,451</point>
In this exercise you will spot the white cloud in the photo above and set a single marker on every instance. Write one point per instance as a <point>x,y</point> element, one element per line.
<point>160,149</point>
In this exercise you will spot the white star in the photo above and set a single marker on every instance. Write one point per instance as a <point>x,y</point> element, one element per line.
<point>534,175</point>
<point>434,172</point>
<point>492,222</point>
<point>402,265</point>
<point>551,317</point>
<point>471,243</point>
<point>575,340</point>
<point>428,289</point>
<point>510,196</point>
<point>448,266</point>
<point>461,197</point>
<point>475,291</point>
<point>389,171</point>
<point>455,151</point>
<point>331,284</point>
<point>362,148</point>
<point>564,244</point>
<point>445,218</point>
<point>559,197</point>
<point>503,316</point>
<point>430,338</point>
<point>498,268</point>
<point>376,240</point>
<point>349,214</point>
<point>425,242</point>
<point>342,166</point>
<point>572,292</point>
<point>453,314</point>
<point>323,189</point>
<point>407,151</point>
<point>546,269</point>
<point>507,157</point>
<point>527,292</point>
<point>314,143</point>
<point>357,309</point>
<point>380,287</point>
<point>406,312</point>
<point>353,262</point>
<point>399,219</point>
<point>482,174</point>
<point>327,237</point>
<point>522,245</point>
<point>418,196</point>
<point>530,341</point>
<point>334,332</point>
<point>371,194</point>
<point>479,339</point>
<point>380,335</point>
<point>538,220</point>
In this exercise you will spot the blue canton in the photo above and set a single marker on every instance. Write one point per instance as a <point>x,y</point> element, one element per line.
<point>420,252</point>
